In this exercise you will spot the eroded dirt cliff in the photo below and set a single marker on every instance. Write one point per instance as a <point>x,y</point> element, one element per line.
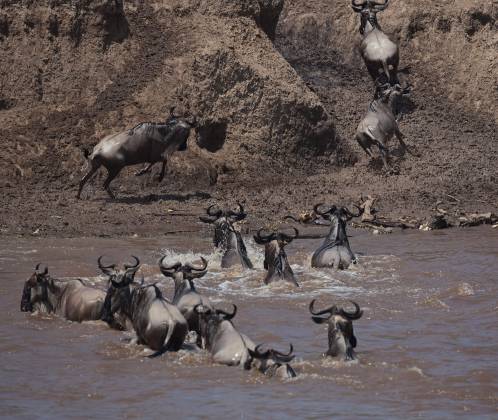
<point>277,100</point>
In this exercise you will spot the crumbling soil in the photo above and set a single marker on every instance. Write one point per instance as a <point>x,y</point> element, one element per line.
<point>277,110</point>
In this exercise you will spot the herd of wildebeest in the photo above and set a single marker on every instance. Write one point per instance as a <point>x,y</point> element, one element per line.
<point>164,325</point>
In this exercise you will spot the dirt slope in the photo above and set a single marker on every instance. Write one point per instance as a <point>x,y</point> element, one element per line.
<point>70,75</point>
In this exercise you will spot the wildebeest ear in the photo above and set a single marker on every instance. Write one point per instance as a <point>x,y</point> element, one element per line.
<point>319,320</point>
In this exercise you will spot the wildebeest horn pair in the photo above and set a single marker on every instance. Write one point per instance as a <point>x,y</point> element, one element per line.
<point>213,214</point>
<point>273,354</point>
<point>189,270</point>
<point>333,208</point>
<point>264,239</point>
<point>126,277</point>
<point>200,309</point>
<point>334,310</point>
<point>358,7</point>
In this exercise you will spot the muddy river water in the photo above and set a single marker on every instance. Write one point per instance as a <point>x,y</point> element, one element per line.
<point>427,342</point>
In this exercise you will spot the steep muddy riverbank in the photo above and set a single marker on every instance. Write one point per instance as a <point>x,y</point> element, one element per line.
<point>427,343</point>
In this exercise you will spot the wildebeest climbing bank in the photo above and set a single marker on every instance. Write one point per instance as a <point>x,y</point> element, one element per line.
<point>260,208</point>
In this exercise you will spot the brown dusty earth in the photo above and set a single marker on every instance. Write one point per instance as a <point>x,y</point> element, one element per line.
<point>290,94</point>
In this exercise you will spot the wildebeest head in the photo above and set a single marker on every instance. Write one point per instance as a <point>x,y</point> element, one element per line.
<point>342,340</point>
<point>368,10</point>
<point>182,273</point>
<point>118,292</point>
<point>338,217</point>
<point>275,257</point>
<point>273,362</point>
<point>35,291</point>
<point>210,319</point>
<point>223,221</point>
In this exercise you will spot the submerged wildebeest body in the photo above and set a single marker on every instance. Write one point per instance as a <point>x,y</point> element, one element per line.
<point>146,143</point>
<point>341,338</point>
<point>273,363</point>
<point>276,263</point>
<point>158,323</point>
<point>186,297</point>
<point>335,251</point>
<point>226,345</point>
<point>226,237</point>
<point>379,124</point>
<point>379,52</point>
<point>70,299</point>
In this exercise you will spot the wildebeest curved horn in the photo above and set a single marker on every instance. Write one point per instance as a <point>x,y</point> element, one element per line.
<point>349,213</point>
<point>228,316</point>
<point>352,315</point>
<point>193,267</point>
<point>240,215</point>
<point>106,269</point>
<point>316,208</point>
<point>284,358</point>
<point>168,271</point>
<point>137,263</point>
<point>357,7</point>
<point>379,7</point>
<point>289,238</point>
<point>198,271</point>
<point>208,219</point>
<point>263,239</point>
<point>45,270</point>
<point>331,310</point>
<point>212,213</point>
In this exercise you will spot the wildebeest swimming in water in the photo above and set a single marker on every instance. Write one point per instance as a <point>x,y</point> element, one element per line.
<point>273,363</point>
<point>226,345</point>
<point>70,299</point>
<point>276,263</point>
<point>226,237</point>
<point>341,338</point>
<point>380,53</point>
<point>145,143</point>
<point>186,297</point>
<point>335,251</point>
<point>158,323</point>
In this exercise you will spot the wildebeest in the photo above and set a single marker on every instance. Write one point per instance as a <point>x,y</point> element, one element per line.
<point>118,319</point>
<point>70,299</point>
<point>380,124</point>
<point>158,323</point>
<point>335,251</point>
<point>186,297</point>
<point>380,53</point>
<point>276,263</point>
<point>226,345</point>
<point>145,143</point>
<point>273,363</point>
<point>226,237</point>
<point>342,340</point>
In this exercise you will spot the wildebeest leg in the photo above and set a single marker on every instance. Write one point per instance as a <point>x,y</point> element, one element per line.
<point>400,136</point>
<point>84,180</point>
<point>112,173</point>
<point>405,147</point>
<point>144,170</point>
<point>384,154</point>
<point>163,170</point>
